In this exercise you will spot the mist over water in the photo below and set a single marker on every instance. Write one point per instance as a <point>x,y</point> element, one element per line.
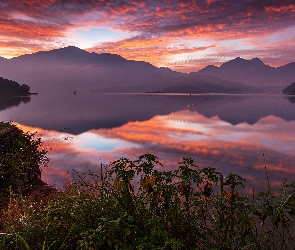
<point>233,133</point>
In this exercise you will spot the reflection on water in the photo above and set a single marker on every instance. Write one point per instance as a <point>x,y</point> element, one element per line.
<point>230,133</point>
<point>211,142</point>
<point>8,102</point>
<point>81,113</point>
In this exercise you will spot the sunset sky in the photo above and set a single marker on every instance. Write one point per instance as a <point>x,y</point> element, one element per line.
<point>182,35</point>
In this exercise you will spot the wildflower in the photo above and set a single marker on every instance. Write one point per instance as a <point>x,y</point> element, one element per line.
<point>282,218</point>
<point>147,183</point>
<point>230,197</point>
<point>118,184</point>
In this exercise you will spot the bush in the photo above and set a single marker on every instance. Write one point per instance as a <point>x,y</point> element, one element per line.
<point>134,205</point>
<point>21,157</point>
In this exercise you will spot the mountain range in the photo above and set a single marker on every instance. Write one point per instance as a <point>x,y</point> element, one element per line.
<point>253,72</point>
<point>73,70</point>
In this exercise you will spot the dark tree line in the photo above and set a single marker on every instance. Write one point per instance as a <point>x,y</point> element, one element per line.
<point>12,88</point>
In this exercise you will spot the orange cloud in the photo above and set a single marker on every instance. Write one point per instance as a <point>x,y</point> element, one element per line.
<point>286,8</point>
<point>162,27</point>
<point>210,141</point>
<point>155,50</point>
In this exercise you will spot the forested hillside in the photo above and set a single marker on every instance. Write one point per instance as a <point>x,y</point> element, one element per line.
<point>12,88</point>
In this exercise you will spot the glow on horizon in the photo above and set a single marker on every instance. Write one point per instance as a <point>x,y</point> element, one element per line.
<point>85,39</point>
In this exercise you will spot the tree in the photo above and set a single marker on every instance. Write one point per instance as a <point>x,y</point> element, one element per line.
<point>12,88</point>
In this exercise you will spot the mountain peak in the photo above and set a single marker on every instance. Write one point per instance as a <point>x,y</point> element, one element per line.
<point>241,62</point>
<point>256,61</point>
<point>72,55</point>
<point>68,50</point>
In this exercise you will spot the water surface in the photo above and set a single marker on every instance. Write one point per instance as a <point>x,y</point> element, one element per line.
<point>233,133</point>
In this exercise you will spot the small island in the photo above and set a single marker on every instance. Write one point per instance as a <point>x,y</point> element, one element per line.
<point>290,90</point>
<point>12,88</point>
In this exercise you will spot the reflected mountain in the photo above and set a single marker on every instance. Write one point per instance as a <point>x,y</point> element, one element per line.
<point>8,102</point>
<point>83,112</point>
<point>292,99</point>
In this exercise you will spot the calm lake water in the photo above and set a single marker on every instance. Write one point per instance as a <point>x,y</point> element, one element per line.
<point>234,133</point>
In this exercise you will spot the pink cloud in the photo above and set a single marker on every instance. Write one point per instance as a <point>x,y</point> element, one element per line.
<point>243,149</point>
<point>29,26</point>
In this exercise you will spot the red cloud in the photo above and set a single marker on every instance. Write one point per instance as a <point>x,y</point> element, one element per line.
<point>46,24</point>
<point>211,142</point>
<point>147,49</point>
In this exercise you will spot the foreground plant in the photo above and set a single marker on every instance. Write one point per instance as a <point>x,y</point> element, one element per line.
<point>134,205</point>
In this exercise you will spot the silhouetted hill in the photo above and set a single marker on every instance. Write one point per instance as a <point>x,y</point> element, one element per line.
<point>12,88</point>
<point>252,72</point>
<point>2,60</point>
<point>290,90</point>
<point>67,69</point>
<point>187,84</point>
<point>71,56</point>
<point>70,69</point>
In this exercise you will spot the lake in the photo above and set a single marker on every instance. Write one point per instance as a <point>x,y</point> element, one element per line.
<point>233,133</point>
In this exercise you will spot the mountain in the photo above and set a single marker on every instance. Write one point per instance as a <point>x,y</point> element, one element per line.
<point>72,70</point>
<point>2,60</point>
<point>186,84</point>
<point>252,72</point>
<point>71,56</point>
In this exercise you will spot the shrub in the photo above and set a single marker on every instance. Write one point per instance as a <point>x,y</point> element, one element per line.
<point>134,205</point>
<point>21,157</point>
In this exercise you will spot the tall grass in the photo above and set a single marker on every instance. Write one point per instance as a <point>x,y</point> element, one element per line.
<point>134,205</point>
<point>4,126</point>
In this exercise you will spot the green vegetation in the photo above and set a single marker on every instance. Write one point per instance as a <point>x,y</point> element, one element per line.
<point>20,159</point>
<point>136,205</point>
<point>4,126</point>
<point>12,88</point>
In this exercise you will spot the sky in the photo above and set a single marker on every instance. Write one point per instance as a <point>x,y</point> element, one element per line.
<point>182,35</point>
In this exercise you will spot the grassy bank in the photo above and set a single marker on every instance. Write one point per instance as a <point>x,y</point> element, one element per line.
<point>3,127</point>
<point>137,205</point>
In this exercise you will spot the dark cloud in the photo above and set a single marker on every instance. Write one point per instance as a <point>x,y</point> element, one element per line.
<point>158,17</point>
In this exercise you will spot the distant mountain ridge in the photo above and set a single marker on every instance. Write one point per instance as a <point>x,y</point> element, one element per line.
<point>71,55</point>
<point>252,72</point>
<point>67,69</point>
<point>71,69</point>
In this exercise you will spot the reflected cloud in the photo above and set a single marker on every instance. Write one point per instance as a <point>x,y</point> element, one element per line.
<point>83,112</point>
<point>8,102</point>
<point>242,149</point>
